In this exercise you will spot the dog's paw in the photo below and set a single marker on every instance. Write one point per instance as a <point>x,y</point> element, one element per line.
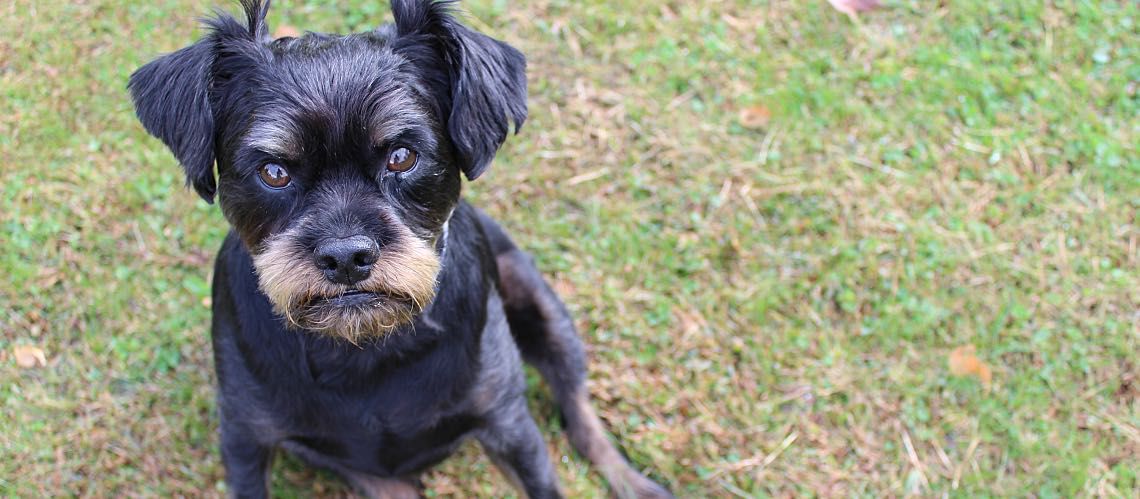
<point>634,485</point>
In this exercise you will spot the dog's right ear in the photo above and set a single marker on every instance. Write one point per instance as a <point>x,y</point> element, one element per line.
<point>171,96</point>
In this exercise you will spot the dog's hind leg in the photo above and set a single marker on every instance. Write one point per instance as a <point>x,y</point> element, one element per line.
<point>545,334</point>
<point>373,487</point>
<point>365,485</point>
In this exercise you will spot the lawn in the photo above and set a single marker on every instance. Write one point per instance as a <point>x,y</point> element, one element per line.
<point>774,223</point>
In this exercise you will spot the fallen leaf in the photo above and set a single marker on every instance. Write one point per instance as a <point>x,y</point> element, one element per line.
<point>755,117</point>
<point>564,288</point>
<point>28,357</point>
<point>49,276</point>
<point>285,30</point>
<point>851,7</point>
<point>964,362</point>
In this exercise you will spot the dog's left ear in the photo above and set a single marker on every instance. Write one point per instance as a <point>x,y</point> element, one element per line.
<point>486,79</point>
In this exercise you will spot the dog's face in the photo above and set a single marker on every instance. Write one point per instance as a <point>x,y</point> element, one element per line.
<point>338,157</point>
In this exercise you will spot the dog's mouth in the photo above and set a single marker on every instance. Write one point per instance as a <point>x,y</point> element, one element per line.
<point>355,298</point>
<point>354,314</point>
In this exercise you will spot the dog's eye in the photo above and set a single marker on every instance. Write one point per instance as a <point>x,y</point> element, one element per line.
<point>402,159</point>
<point>274,175</point>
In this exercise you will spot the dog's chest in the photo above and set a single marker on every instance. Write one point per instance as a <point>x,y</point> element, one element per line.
<point>402,420</point>
<point>382,441</point>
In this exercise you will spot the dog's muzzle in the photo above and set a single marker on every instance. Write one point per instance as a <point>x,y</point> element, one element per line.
<point>348,288</point>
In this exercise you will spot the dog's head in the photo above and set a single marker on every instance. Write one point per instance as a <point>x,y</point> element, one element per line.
<point>338,157</point>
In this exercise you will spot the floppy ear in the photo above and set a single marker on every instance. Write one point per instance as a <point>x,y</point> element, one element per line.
<point>171,100</point>
<point>172,94</point>
<point>486,79</point>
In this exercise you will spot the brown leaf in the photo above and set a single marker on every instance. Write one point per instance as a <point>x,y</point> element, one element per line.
<point>851,7</point>
<point>285,30</point>
<point>964,362</point>
<point>755,117</point>
<point>28,357</point>
<point>48,277</point>
<point>564,288</point>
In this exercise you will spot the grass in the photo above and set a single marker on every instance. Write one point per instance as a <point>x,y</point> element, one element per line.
<point>770,309</point>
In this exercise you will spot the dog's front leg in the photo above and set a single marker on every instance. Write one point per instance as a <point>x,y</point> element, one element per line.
<point>514,443</point>
<point>246,461</point>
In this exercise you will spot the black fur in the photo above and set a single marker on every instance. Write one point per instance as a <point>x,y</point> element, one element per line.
<point>478,121</point>
<point>329,110</point>
<point>170,99</point>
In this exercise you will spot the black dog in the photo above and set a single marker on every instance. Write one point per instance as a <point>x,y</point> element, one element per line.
<point>365,318</point>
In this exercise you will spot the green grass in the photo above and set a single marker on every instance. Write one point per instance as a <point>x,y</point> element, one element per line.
<point>769,311</point>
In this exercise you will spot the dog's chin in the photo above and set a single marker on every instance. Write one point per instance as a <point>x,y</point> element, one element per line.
<point>354,316</point>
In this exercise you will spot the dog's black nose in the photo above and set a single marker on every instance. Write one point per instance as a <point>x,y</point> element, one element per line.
<point>347,260</point>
